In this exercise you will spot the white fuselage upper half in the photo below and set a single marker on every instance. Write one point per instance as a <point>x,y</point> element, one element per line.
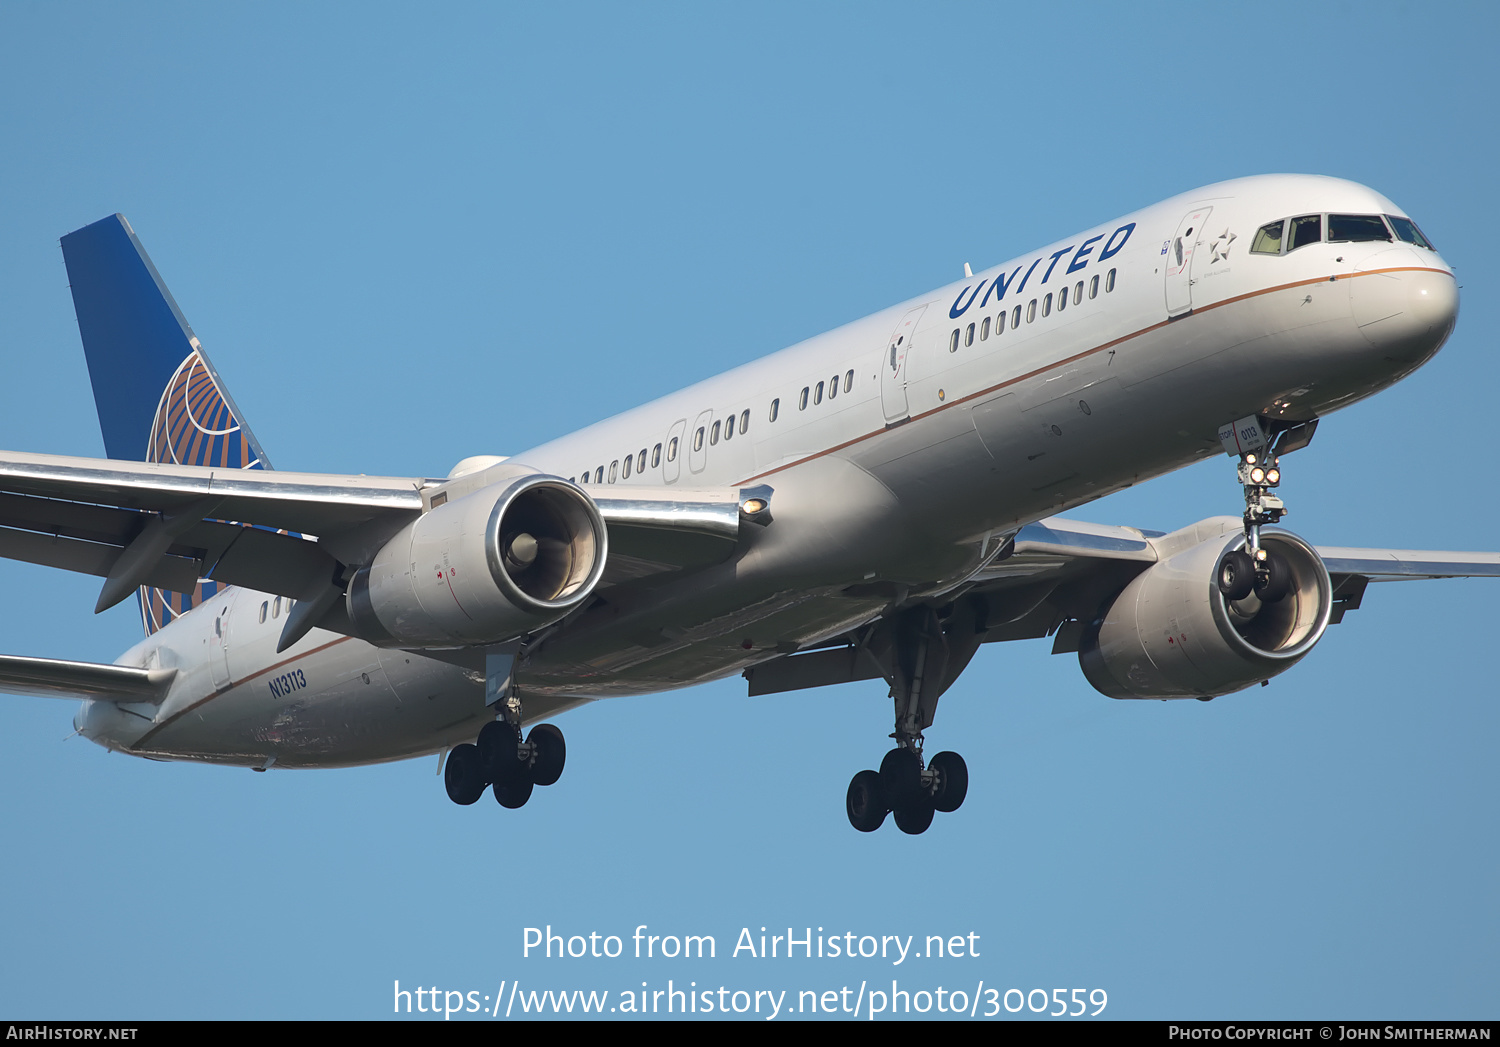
<point>900,448</point>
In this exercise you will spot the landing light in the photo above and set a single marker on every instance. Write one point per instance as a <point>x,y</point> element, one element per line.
<point>1273,476</point>
<point>1257,475</point>
<point>752,506</point>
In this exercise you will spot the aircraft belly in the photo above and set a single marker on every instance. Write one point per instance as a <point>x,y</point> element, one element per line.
<point>617,663</point>
<point>339,703</point>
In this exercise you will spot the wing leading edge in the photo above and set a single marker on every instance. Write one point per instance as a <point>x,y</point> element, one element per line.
<point>1058,573</point>
<point>168,526</point>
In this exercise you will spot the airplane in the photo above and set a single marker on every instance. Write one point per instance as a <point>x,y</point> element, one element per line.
<point>874,503</point>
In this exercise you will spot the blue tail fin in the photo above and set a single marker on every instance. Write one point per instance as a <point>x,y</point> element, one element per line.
<point>158,396</point>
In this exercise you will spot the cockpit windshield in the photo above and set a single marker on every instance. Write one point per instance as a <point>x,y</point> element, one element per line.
<point>1268,238</point>
<point>1308,229</point>
<point>1357,228</point>
<point>1287,234</point>
<point>1407,231</point>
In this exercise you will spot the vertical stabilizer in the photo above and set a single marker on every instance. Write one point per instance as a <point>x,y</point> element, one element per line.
<point>158,396</point>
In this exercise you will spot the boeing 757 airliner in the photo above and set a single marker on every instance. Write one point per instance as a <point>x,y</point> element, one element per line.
<point>873,503</point>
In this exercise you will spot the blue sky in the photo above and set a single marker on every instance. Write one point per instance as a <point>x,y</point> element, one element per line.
<point>411,235</point>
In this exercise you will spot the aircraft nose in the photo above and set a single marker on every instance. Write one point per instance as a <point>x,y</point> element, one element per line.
<point>1405,312</point>
<point>1433,298</point>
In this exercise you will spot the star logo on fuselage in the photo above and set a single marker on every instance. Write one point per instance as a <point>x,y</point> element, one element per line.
<point>1220,246</point>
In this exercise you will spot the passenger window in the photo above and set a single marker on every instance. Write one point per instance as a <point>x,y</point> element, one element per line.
<point>775,408</point>
<point>802,400</point>
<point>1078,293</point>
<point>1094,287</point>
<point>1357,228</point>
<point>1000,324</point>
<point>1109,282</point>
<point>599,475</point>
<point>745,420</point>
<point>1062,299</point>
<point>969,336</point>
<point>698,439</point>
<point>1407,231</point>
<point>263,606</point>
<point>586,476</point>
<point>984,329</point>
<point>1306,230</point>
<point>640,460</point>
<point>833,387</point>
<point>713,434</point>
<point>1047,305</point>
<point>276,608</point>
<point>1031,311</point>
<point>729,428</point>
<point>629,459</point>
<point>656,456</point>
<point>953,341</point>
<point>1015,317</point>
<point>818,393</point>
<point>672,449</point>
<point>849,380</point>
<point>614,470</point>
<point>1268,238</point>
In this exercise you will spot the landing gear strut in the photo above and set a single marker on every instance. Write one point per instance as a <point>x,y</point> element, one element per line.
<point>1255,568</point>
<point>500,759</point>
<point>922,654</point>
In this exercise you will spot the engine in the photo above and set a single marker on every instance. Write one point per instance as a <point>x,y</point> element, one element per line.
<point>1177,630</point>
<point>507,558</point>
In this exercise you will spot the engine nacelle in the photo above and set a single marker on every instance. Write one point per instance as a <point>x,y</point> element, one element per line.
<point>1173,634</point>
<point>509,558</point>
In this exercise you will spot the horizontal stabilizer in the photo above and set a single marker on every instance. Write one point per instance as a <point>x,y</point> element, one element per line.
<point>57,678</point>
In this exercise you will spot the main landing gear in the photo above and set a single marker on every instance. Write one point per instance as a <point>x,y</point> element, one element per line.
<point>502,760</point>
<point>922,654</point>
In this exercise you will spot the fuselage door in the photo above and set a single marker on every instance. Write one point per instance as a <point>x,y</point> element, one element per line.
<point>671,466</point>
<point>218,644</point>
<point>1180,261</point>
<point>893,367</point>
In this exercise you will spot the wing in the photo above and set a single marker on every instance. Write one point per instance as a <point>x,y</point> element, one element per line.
<point>1354,569</point>
<point>1061,570</point>
<point>166,526</point>
<point>1057,574</point>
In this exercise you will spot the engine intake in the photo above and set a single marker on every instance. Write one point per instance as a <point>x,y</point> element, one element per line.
<point>1172,633</point>
<point>507,559</point>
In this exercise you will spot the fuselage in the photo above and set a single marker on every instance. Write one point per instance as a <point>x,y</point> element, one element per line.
<point>902,449</point>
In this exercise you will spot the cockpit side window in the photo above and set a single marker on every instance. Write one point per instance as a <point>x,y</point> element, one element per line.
<point>1357,228</point>
<point>1306,230</point>
<point>1268,238</point>
<point>1407,231</point>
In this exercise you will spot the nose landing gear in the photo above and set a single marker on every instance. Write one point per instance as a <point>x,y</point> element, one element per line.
<point>1255,568</point>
